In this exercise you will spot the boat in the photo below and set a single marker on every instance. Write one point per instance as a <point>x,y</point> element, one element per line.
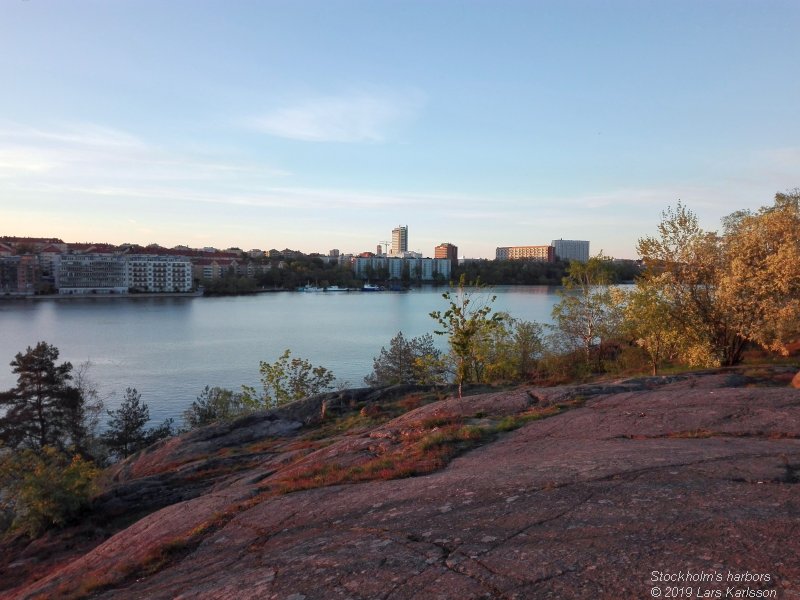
<point>371,287</point>
<point>336,288</point>
<point>310,288</point>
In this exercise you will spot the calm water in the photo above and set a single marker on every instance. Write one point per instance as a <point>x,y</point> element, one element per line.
<point>170,348</point>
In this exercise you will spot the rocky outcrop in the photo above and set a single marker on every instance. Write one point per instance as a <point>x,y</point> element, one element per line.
<point>624,487</point>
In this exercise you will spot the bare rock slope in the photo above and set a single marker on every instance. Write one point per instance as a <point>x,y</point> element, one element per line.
<point>599,491</point>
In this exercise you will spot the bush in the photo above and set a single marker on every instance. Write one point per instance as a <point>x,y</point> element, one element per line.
<point>213,405</point>
<point>286,380</point>
<point>407,361</point>
<point>45,489</point>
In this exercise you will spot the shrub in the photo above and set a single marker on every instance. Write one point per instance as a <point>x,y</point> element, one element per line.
<point>44,489</point>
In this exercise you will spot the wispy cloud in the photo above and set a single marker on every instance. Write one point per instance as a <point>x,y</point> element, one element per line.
<point>92,156</point>
<point>350,117</point>
<point>85,135</point>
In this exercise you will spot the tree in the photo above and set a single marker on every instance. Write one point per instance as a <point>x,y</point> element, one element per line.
<point>589,311</point>
<point>724,291</point>
<point>760,286</point>
<point>288,379</point>
<point>40,409</point>
<point>686,265</point>
<point>407,361</point>
<point>467,318</point>
<point>83,417</point>
<point>216,404</point>
<point>645,323</point>
<point>527,347</point>
<point>126,432</point>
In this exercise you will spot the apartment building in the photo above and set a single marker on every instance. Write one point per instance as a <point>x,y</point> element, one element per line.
<point>421,269</point>
<point>535,253</point>
<point>90,274</point>
<point>399,240</point>
<point>448,251</point>
<point>119,274</point>
<point>18,275</point>
<point>153,273</point>
<point>572,250</point>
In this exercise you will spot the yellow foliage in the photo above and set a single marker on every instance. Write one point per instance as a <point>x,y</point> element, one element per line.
<point>45,489</point>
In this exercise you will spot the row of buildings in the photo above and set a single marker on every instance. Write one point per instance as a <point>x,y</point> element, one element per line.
<point>47,265</point>
<point>560,249</point>
<point>36,265</point>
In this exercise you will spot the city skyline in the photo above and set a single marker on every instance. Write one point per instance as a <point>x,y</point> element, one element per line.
<point>322,124</point>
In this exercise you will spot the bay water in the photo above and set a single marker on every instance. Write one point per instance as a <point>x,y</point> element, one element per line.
<point>170,348</point>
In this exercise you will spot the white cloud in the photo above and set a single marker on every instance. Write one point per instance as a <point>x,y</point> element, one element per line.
<point>352,117</point>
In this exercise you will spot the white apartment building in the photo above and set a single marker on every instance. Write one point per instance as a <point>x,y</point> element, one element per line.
<point>154,273</point>
<point>423,269</point>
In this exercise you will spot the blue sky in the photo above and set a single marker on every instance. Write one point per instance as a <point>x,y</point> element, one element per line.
<point>324,124</point>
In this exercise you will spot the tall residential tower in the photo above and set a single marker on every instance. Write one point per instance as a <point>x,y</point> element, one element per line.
<point>399,240</point>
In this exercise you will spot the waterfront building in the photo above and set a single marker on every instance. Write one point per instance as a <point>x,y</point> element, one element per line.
<point>156,274</point>
<point>90,274</point>
<point>572,250</point>
<point>399,240</point>
<point>419,269</point>
<point>535,253</point>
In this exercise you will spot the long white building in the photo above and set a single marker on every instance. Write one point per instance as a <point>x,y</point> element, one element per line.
<point>77,274</point>
<point>424,269</point>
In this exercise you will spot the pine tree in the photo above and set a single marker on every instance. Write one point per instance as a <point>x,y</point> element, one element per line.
<point>40,410</point>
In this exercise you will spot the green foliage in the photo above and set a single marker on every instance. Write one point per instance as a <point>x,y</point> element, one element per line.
<point>126,432</point>
<point>590,310</point>
<point>216,404</point>
<point>44,488</point>
<point>298,271</point>
<point>229,285</point>
<point>288,379</point>
<point>645,323</point>
<point>513,272</point>
<point>464,322</point>
<point>44,409</point>
<point>407,361</point>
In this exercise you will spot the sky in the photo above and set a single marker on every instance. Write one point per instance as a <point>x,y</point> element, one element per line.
<point>321,124</point>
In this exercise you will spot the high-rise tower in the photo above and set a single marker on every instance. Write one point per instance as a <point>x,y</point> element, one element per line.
<point>399,240</point>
